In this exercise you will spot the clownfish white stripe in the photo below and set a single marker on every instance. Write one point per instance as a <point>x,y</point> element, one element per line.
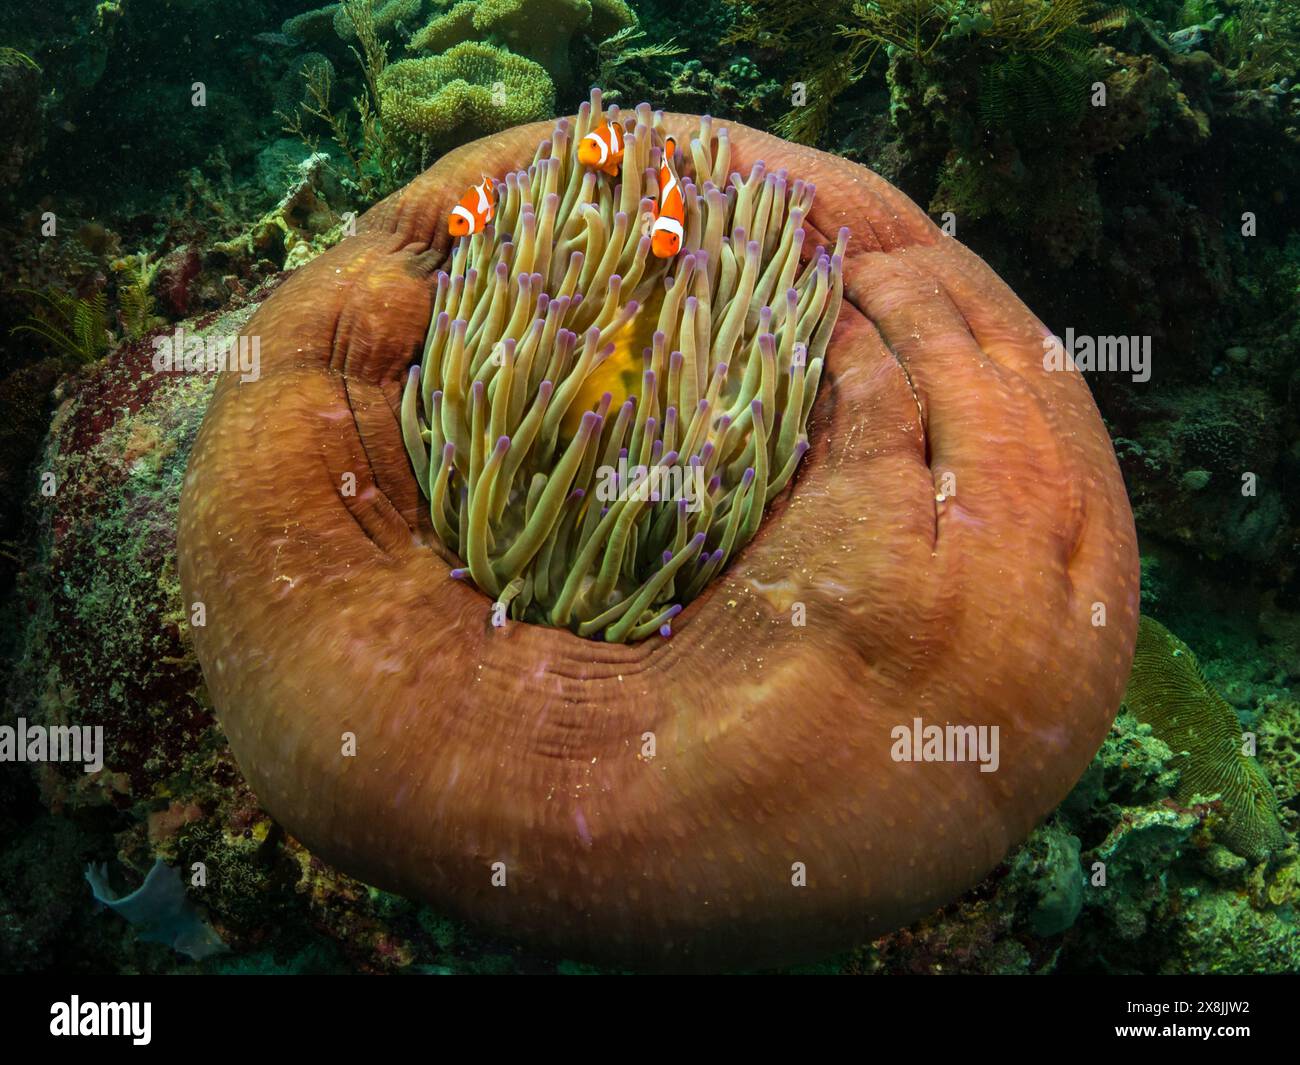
<point>482,198</point>
<point>599,141</point>
<point>669,186</point>
<point>462,212</point>
<point>663,224</point>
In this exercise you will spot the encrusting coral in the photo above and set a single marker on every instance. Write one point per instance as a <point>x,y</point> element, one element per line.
<point>469,91</point>
<point>734,794</point>
<point>713,424</point>
<point>1168,691</point>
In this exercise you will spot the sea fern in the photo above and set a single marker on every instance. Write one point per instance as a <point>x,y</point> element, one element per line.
<point>1033,25</point>
<point>1037,56</point>
<point>1115,18</point>
<point>911,27</point>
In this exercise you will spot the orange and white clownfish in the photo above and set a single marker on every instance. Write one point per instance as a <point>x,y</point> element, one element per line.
<point>474,211</point>
<point>667,233</point>
<point>602,149</point>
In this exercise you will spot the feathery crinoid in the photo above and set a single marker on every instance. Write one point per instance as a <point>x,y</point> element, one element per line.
<point>71,325</point>
<point>1168,691</point>
<point>598,430</point>
<point>1042,63</point>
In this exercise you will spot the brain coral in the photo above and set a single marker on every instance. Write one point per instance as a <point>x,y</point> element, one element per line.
<point>734,794</point>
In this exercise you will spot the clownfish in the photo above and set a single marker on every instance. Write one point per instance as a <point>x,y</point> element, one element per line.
<point>667,233</point>
<point>474,211</point>
<point>602,149</point>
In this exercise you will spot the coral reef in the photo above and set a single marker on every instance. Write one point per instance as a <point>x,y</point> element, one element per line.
<point>388,17</point>
<point>1167,211</point>
<point>297,229</point>
<point>1123,879</point>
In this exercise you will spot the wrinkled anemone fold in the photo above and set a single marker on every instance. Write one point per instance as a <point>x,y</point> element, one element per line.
<point>598,431</point>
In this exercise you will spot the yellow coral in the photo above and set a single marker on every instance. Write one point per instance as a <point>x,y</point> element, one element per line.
<point>1168,691</point>
<point>470,91</point>
<point>446,30</point>
<point>386,17</point>
<point>540,30</point>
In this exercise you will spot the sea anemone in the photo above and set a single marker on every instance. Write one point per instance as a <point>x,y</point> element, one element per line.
<point>609,528</point>
<point>955,551</point>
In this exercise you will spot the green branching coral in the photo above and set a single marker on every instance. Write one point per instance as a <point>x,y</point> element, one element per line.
<point>806,37</point>
<point>540,30</point>
<point>470,91</point>
<point>627,49</point>
<point>1168,691</point>
<point>376,161</point>
<point>598,430</point>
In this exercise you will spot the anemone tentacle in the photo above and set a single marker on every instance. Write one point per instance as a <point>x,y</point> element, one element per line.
<point>568,514</point>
